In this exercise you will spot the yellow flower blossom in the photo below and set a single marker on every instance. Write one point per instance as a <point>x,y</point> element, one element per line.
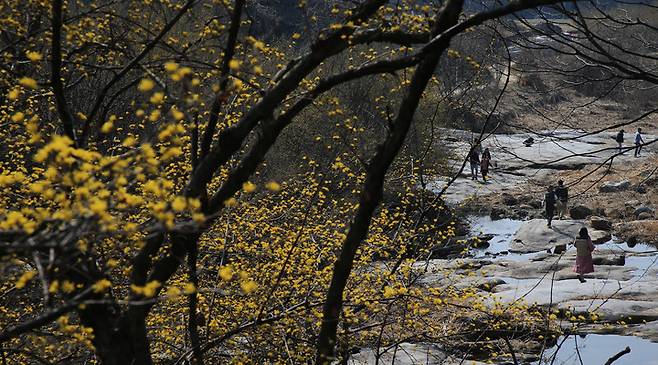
<point>33,56</point>
<point>107,127</point>
<point>179,204</point>
<point>234,64</point>
<point>145,85</point>
<point>68,287</point>
<point>273,186</point>
<point>154,116</point>
<point>25,278</point>
<point>173,292</point>
<point>248,187</point>
<point>189,288</point>
<point>171,66</point>
<point>226,273</point>
<point>14,93</point>
<point>248,286</point>
<point>157,98</point>
<point>177,114</point>
<point>101,286</point>
<point>28,82</point>
<point>199,218</point>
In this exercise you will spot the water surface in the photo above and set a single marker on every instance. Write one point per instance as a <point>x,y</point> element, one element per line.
<point>597,349</point>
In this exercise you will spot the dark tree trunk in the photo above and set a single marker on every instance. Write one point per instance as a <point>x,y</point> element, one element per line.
<point>117,341</point>
<point>372,191</point>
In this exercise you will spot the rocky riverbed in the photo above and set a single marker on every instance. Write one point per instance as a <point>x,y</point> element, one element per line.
<point>615,308</point>
<point>621,295</point>
<point>519,164</point>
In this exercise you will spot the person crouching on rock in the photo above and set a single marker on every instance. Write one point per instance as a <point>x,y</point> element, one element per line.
<point>562,195</point>
<point>549,205</point>
<point>584,248</point>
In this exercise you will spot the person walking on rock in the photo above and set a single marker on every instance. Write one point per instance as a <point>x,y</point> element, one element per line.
<point>549,205</point>
<point>562,195</point>
<point>485,164</point>
<point>474,160</point>
<point>584,248</point>
<point>620,140</point>
<point>638,142</point>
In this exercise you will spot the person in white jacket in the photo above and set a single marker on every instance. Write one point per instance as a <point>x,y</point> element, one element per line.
<point>638,142</point>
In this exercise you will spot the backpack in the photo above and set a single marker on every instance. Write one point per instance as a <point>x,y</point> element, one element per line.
<point>550,199</point>
<point>474,157</point>
<point>620,137</point>
<point>562,193</point>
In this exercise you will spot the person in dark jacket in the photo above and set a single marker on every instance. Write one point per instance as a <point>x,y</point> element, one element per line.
<point>474,160</point>
<point>562,195</point>
<point>549,205</point>
<point>620,140</point>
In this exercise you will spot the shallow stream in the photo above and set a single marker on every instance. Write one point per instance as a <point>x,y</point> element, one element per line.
<point>641,256</point>
<point>597,349</point>
<point>593,348</point>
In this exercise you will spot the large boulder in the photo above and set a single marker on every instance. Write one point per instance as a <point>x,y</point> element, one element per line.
<point>614,186</point>
<point>535,236</point>
<point>580,212</point>
<point>481,241</point>
<point>442,252</point>
<point>643,209</point>
<point>560,248</point>
<point>600,223</point>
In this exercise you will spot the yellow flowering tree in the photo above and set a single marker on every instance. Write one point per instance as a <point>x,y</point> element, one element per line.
<point>138,222</point>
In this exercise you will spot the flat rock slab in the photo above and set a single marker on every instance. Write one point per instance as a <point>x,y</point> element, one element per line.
<point>647,330</point>
<point>408,354</point>
<point>564,271</point>
<point>535,236</point>
<point>613,310</point>
<point>544,292</point>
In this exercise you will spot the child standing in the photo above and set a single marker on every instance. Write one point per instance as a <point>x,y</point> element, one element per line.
<point>584,248</point>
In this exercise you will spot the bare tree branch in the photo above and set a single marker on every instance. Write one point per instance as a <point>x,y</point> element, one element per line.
<point>56,72</point>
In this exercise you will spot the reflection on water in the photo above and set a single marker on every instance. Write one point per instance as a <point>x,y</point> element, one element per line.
<point>503,230</point>
<point>597,349</point>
